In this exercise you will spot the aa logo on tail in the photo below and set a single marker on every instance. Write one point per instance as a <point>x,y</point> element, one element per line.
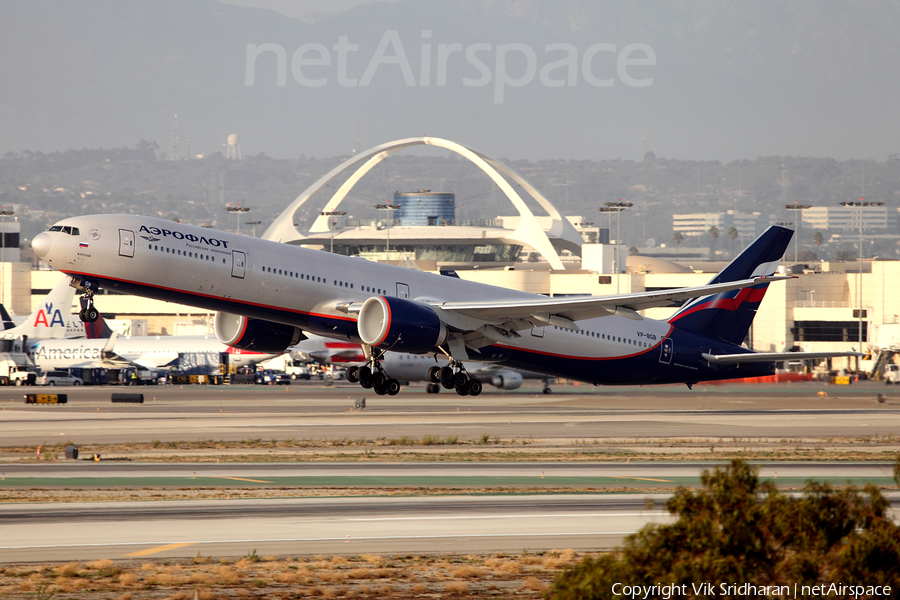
<point>55,317</point>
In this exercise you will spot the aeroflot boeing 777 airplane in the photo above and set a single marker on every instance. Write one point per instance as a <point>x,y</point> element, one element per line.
<point>267,294</point>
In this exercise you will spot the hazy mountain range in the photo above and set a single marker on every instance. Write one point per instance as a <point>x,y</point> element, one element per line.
<point>713,79</point>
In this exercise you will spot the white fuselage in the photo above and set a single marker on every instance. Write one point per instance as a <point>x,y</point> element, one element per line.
<point>150,352</point>
<point>302,287</point>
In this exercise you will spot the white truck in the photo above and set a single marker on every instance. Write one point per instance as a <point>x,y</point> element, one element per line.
<point>16,369</point>
<point>295,368</point>
<point>892,374</point>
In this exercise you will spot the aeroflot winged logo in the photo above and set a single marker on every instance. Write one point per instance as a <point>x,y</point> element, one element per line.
<point>55,316</point>
<point>215,242</point>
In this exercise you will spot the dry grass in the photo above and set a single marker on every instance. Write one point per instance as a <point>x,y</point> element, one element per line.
<point>468,572</point>
<point>456,587</point>
<point>369,576</point>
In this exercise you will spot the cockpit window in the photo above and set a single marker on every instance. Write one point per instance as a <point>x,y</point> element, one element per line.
<point>67,229</point>
<point>56,228</point>
<point>75,231</point>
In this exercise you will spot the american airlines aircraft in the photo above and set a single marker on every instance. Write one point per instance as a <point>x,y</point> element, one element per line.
<point>53,319</point>
<point>267,294</point>
<point>151,352</point>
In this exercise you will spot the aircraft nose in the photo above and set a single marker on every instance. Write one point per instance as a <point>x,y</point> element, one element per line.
<point>41,244</point>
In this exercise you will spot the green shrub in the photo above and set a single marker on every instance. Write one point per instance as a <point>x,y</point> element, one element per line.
<point>738,530</point>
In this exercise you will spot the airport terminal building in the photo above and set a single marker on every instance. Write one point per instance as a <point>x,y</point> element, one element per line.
<point>835,306</point>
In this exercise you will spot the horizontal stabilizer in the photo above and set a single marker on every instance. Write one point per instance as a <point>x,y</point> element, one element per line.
<point>756,357</point>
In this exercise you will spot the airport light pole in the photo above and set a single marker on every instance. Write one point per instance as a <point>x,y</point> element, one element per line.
<point>254,222</point>
<point>237,210</point>
<point>798,220</point>
<point>330,214</point>
<point>388,208</point>
<point>616,207</point>
<point>4,212</point>
<point>860,204</point>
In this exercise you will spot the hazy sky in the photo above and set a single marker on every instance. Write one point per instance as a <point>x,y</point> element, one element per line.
<point>301,8</point>
<point>534,79</point>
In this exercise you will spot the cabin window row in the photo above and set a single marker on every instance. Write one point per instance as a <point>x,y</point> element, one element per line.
<point>610,338</point>
<point>184,253</point>
<point>318,279</point>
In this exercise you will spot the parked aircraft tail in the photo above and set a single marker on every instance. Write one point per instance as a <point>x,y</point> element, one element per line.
<point>5,318</point>
<point>53,319</point>
<point>728,315</point>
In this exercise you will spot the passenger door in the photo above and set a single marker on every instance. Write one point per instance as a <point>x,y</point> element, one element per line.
<point>238,264</point>
<point>126,243</point>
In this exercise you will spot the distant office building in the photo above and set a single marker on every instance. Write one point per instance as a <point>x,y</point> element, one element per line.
<point>748,225</point>
<point>424,208</point>
<point>848,217</point>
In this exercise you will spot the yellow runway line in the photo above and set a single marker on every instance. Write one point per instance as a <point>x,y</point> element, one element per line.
<point>643,479</point>
<point>159,549</point>
<point>242,479</point>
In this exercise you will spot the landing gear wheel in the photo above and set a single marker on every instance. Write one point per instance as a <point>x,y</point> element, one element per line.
<point>548,390</point>
<point>434,374</point>
<point>365,377</point>
<point>462,390</point>
<point>474,387</point>
<point>460,380</point>
<point>353,374</point>
<point>446,376</point>
<point>381,390</point>
<point>432,388</point>
<point>380,379</point>
<point>393,387</point>
<point>88,313</point>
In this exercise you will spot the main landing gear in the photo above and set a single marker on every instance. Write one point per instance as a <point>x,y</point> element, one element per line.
<point>373,376</point>
<point>453,376</point>
<point>88,313</point>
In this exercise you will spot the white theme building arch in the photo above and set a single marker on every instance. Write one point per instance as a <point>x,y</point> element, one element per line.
<point>528,232</point>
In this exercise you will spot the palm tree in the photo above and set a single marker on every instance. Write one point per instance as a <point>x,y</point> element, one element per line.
<point>818,240</point>
<point>732,233</point>
<point>677,238</point>
<point>713,233</point>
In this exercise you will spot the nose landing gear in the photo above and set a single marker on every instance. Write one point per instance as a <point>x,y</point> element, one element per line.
<point>88,313</point>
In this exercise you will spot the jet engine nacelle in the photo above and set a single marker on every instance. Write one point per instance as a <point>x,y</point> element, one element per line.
<point>256,335</point>
<point>400,325</point>
<point>507,380</point>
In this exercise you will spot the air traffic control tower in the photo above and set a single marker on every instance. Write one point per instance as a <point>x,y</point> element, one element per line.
<point>425,208</point>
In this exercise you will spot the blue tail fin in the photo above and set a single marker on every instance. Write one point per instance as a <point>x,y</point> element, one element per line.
<point>727,316</point>
<point>5,318</point>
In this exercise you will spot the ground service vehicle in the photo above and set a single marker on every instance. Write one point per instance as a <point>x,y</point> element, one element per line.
<point>58,378</point>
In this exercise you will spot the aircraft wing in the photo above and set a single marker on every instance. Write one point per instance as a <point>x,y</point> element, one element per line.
<point>564,312</point>
<point>108,358</point>
<point>755,357</point>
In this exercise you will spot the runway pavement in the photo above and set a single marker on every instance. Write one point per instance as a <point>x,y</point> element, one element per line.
<point>382,523</point>
<point>40,532</point>
<point>374,523</point>
<point>315,412</point>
